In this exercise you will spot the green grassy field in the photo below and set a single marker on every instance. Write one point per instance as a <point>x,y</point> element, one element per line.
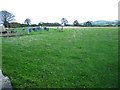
<point>75,58</point>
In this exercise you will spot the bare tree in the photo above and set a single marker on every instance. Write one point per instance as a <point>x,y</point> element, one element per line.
<point>64,22</point>
<point>27,21</point>
<point>6,17</point>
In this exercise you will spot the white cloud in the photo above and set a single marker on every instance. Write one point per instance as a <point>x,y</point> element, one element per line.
<point>54,10</point>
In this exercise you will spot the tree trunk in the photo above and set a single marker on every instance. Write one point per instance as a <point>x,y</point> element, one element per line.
<point>6,24</point>
<point>62,28</point>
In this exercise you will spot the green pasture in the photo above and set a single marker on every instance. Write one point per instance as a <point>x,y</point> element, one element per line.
<point>74,58</point>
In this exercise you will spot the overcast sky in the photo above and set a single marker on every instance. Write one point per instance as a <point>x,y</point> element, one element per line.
<point>54,10</point>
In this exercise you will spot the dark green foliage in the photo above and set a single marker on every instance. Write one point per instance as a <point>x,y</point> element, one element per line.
<point>49,24</point>
<point>88,24</point>
<point>76,23</point>
<point>14,25</point>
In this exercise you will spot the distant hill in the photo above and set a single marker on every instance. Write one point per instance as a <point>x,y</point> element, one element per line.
<point>103,22</point>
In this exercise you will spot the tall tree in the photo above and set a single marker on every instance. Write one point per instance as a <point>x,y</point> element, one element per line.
<point>6,17</point>
<point>76,23</point>
<point>27,21</point>
<point>64,22</point>
<point>88,24</point>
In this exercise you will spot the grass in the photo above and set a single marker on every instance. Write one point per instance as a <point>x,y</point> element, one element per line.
<point>75,58</point>
<point>0,54</point>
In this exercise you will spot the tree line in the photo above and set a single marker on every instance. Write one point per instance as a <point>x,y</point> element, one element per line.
<point>7,19</point>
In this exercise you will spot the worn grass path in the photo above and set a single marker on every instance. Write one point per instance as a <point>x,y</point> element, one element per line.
<point>75,58</point>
